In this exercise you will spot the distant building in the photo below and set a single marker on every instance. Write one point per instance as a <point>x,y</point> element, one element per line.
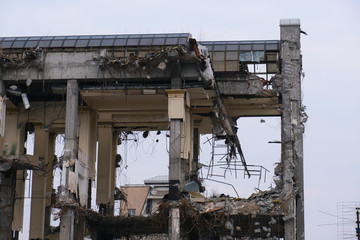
<point>135,196</point>
<point>159,187</point>
<point>143,199</point>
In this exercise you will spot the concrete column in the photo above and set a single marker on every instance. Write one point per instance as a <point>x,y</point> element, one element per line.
<point>195,147</point>
<point>38,201</point>
<point>93,143</point>
<point>14,138</point>
<point>175,224</point>
<point>187,143</point>
<point>106,166</point>
<point>49,181</point>
<point>7,194</point>
<point>177,115</point>
<point>292,129</point>
<point>7,178</point>
<point>84,152</point>
<point>67,229</point>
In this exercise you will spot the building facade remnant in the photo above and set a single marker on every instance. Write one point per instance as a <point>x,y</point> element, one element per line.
<point>95,88</point>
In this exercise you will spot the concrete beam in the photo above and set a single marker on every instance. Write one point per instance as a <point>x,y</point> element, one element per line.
<point>85,66</point>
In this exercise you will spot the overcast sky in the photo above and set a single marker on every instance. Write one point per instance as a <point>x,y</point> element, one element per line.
<point>331,54</point>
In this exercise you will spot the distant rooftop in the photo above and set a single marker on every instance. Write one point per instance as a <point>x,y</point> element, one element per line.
<point>157,179</point>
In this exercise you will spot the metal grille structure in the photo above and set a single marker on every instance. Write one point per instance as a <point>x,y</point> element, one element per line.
<point>346,220</point>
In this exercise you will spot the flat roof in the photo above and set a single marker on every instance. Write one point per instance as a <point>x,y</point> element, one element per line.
<point>132,40</point>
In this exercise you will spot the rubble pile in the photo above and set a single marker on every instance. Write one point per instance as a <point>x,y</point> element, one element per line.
<point>29,58</point>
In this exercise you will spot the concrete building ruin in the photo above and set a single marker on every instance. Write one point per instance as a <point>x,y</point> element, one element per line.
<point>93,88</point>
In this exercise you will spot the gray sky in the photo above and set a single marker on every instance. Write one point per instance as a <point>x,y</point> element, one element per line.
<point>330,62</point>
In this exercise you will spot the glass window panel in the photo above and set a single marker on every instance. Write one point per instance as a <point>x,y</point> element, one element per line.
<point>72,37</point>
<point>9,39</point>
<point>69,43</point>
<point>258,56</point>
<point>133,42</point>
<point>272,67</point>
<point>44,43</point>
<point>148,36</point>
<point>232,56</point>
<point>232,47</point>
<point>31,44</point>
<point>258,47</point>
<point>18,44</point>
<point>251,68</point>
<point>135,36</point>
<point>262,76</point>
<point>173,35</point>
<point>56,43</point>
<point>218,56</point>
<point>6,44</point>
<point>34,38</point>
<point>97,37</point>
<point>94,43</point>
<point>145,41</point>
<point>82,43</point>
<point>245,47</point>
<point>160,35</point>
<point>122,36</point>
<point>84,37</point>
<point>219,47</point>
<point>272,56</point>
<point>22,38</point>
<point>260,68</point>
<point>120,42</point>
<point>109,36</point>
<point>171,41</point>
<point>183,41</point>
<point>47,38</point>
<point>218,66</point>
<point>209,47</point>
<point>272,47</point>
<point>107,42</point>
<point>59,37</point>
<point>245,56</point>
<point>232,66</point>
<point>159,41</point>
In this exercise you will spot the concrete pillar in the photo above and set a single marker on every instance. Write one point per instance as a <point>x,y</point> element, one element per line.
<point>49,181</point>
<point>67,228</point>
<point>292,129</point>
<point>187,142</point>
<point>196,148</point>
<point>38,201</point>
<point>177,150</point>
<point>14,138</point>
<point>84,152</point>
<point>177,115</point>
<point>106,167</point>
<point>7,178</point>
<point>7,194</point>
<point>93,143</point>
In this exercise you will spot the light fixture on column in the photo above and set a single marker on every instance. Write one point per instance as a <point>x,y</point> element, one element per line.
<point>25,101</point>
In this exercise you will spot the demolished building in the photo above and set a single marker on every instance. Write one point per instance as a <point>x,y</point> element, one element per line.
<point>93,88</point>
